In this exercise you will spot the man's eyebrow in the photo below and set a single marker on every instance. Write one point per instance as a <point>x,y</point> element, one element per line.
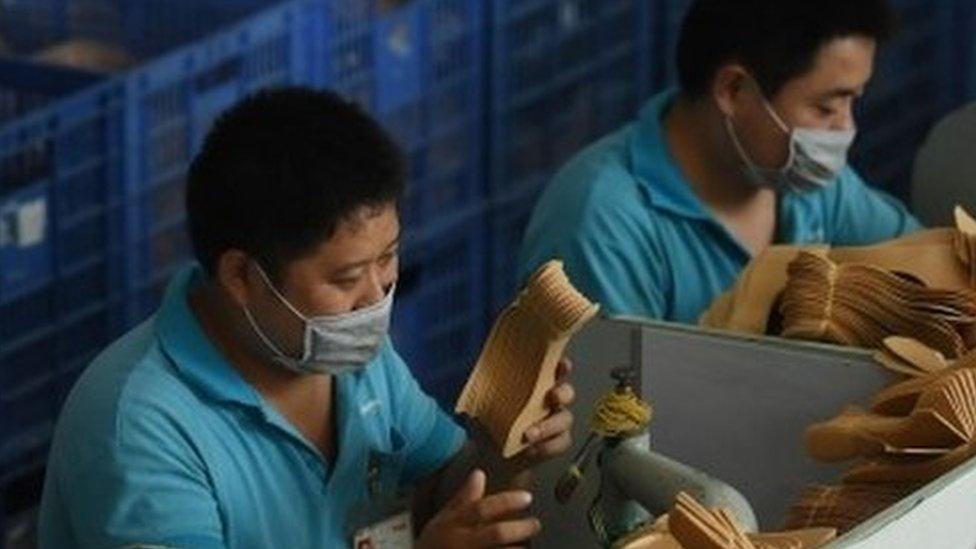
<point>351,266</point>
<point>842,92</point>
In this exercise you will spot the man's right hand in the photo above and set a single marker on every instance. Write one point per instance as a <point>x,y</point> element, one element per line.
<point>471,520</point>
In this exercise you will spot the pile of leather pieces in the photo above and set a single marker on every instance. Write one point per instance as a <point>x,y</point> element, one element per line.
<point>690,525</point>
<point>913,432</point>
<point>921,286</point>
<point>505,393</point>
<point>859,305</point>
<point>845,506</point>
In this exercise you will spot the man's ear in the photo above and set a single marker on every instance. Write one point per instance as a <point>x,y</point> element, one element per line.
<point>234,276</point>
<point>730,80</point>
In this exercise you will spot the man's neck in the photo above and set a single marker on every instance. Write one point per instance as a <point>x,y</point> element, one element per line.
<point>694,133</point>
<point>305,400</point>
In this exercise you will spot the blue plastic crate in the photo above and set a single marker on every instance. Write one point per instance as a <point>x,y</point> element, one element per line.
<point>60,247</point>
<point>439,320</point>
<point>564,73</point>
<point>419,69</point>
<point>64,205</point>
<point>26,86</point>
<point>916,82</point>
<point>965,48</point>
<point>664,42</point>
<point>143,28</point>
<point>171,103</point>
<point>140,29</point>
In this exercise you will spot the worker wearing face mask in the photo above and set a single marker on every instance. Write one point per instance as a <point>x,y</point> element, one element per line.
<point>659,218</point>
<point>264,405</point>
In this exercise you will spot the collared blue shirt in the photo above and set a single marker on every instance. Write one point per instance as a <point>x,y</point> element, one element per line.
<point>635,237</point>
<point>162,442</point>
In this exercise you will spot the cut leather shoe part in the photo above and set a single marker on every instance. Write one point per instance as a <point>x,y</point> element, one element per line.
<point>909,468</point>
<point>747,306</point>
<point>648,540</point>
<point>942,418</point>
<point>861,305</point>
<point>900,398</point>
<point>934,257</point>
<point>910,357</point>
<point>846,506</point>
<point>695,526</point>
<point>935,437</point>
<point>928,256</point>
<point>859,434</point>
<point>968,360</point>
<point>953,398</point>
<point>653,535</point>
<point>505,393</point>
<point>795,538</point>
<point>965,242</point>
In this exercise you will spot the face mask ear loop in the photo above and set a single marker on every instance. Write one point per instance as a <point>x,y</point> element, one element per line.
<point>791,157</point>
<point>262,336</point>
<point>776,118</point>
<point>730,129</point>
<point>277,294</point>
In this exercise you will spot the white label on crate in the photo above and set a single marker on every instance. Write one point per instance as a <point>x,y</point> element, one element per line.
<point>31,223</point>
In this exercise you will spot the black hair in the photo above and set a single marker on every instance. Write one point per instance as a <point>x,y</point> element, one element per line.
<point>777,40</point>
<point>280,170</point>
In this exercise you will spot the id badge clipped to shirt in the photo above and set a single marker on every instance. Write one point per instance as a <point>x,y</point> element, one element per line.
<point>385,521</point>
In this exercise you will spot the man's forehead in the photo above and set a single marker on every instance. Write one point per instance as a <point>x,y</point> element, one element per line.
<point>360,237</point>
<point>841,68</point>
<point>847,61</point>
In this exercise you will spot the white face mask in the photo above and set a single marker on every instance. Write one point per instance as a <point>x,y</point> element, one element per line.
<point>333,344</point>
<point>815,160</point>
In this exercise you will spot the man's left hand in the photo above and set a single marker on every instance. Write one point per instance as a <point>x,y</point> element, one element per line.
<point>552,436</point>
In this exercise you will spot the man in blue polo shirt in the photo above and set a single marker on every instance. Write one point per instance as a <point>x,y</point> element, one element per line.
<point>659,218</point>
<point>263,405</point>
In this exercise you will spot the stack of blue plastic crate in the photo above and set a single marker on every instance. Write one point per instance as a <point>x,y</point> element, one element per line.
<point>171,102</point>
<point>67,174</point>
<point>417,68</point>
<point>564,73</point>
<point>60,243</point>
<point>63,206</point>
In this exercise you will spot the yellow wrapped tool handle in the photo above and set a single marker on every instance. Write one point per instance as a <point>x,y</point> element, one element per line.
<point>619,414</point>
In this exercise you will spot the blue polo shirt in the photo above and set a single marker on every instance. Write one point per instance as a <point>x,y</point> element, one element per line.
<point>162,442</point>
<point>635,237</point>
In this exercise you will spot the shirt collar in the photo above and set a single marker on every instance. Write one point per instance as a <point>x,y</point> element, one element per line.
<point>654,166</point>
<point>193,354</point>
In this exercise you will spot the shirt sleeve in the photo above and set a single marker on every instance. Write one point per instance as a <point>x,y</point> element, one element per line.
<point>860,215</point>
<point>145,487</point>
<point>431,436</point>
